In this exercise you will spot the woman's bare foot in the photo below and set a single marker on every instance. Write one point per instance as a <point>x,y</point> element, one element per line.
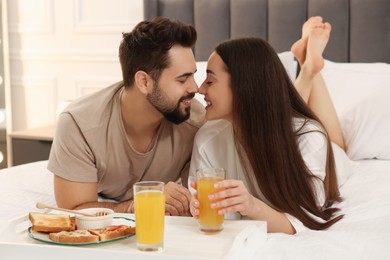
<point>316,43</point>
<point>299,47</point>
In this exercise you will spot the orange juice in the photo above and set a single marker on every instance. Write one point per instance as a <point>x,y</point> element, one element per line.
<point>149,206</point>
<point>208,217</point>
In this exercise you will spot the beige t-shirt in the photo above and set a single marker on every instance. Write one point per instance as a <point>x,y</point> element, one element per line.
<point>91,145</point>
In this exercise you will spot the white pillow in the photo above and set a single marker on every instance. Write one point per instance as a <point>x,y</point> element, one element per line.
<point>291,65</point>
<point>361,95</point>
<point>287,58</point>
<point>200,76</point>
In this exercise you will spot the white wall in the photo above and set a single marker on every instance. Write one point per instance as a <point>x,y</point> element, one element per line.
<point>61,50</point>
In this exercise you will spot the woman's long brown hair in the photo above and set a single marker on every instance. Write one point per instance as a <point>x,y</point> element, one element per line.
<point>265,102</point>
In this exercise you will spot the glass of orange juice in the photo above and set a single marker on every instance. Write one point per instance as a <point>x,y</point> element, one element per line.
<point>209,219</point>
<point>149,207</point>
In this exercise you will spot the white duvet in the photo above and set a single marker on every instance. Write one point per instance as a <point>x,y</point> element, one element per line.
<point>364,233</point>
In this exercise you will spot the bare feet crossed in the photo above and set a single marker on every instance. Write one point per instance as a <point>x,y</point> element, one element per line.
<point>309,49</point>
<point>299,47</point>
<point>317,41</point>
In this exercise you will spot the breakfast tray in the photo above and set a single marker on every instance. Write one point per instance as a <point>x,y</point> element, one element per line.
<point>182,240</point>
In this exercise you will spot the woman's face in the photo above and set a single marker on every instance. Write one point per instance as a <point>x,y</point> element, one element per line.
<point>216,90</point>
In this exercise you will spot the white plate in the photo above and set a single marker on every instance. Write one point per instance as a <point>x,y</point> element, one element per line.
<point>44,237</point>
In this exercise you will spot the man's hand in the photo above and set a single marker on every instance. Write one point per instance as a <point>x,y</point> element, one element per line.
<point>177,200</point>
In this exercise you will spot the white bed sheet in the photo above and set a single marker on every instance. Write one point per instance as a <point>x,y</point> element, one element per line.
<point>22,186</point>
<point>364,233</point>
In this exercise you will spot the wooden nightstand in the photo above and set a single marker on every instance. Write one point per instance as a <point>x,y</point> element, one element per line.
<point>31,145</point>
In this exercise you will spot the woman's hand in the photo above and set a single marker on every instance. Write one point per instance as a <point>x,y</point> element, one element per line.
<point>194,203</point>
<point>234,198</point>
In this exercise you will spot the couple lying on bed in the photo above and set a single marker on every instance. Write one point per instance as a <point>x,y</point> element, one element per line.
<point>278,155</point>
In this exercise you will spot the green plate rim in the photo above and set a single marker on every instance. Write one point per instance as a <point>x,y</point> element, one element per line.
<point>48,241</point>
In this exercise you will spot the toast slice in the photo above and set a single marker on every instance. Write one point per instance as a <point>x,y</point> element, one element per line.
<point>113,231</point>
<point>44,222</point>
<point>77,236</point>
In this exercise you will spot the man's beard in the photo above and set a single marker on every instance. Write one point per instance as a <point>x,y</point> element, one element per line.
<point>171,111</point>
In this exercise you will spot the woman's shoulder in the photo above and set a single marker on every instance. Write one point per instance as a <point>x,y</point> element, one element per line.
<point>214,127</point>
<point>213,130</point>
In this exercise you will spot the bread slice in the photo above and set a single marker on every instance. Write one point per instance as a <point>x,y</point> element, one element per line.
<point>77,236</point>
<point>44,222</point>
<point>113,231</point>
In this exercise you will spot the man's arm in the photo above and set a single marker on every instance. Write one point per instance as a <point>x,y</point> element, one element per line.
<point>79,195</point>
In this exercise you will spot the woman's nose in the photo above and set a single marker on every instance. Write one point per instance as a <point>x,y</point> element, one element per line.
<point>202,89</point>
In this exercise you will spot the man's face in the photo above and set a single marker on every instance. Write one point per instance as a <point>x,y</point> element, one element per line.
<point>173,92</point>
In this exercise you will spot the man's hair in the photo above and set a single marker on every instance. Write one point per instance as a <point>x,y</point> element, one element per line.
<point>146,46</point>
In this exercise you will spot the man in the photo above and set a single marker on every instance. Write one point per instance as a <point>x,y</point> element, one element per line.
<point>136,130</point>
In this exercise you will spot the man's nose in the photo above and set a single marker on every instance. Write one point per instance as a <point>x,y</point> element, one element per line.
<point>193,88</point>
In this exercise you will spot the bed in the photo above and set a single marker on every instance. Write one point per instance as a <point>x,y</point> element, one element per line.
<point>357,72</point>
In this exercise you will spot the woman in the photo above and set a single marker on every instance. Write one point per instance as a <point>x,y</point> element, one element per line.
<point>278,155</point>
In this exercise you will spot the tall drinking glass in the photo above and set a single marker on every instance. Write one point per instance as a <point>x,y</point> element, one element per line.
<point>149,207</point>
<point>209,219</point>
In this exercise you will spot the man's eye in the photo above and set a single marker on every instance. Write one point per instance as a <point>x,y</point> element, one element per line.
<point>209,82</point>
<point>182,80</point>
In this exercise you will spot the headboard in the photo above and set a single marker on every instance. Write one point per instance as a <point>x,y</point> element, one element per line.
<point>360,28</point>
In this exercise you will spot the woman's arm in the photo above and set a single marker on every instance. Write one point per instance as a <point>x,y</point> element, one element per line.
<point>277,222</point>
<point>236,198</point>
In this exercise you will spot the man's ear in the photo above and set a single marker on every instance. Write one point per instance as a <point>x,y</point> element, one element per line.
<point>143,82</point>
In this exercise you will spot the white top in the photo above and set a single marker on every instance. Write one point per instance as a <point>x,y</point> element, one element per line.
<point>214,147</point>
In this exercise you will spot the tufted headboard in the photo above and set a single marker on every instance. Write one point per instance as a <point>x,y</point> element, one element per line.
<point>360,28</point>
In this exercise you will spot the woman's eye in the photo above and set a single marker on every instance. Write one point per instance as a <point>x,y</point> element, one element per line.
<point>207,82</point>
